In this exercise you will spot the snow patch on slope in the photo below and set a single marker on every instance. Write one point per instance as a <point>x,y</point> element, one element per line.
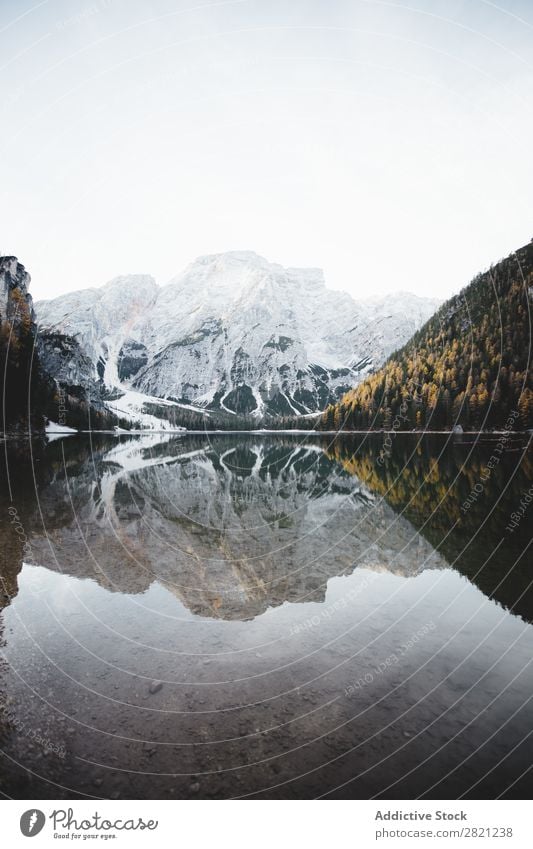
<point>130,406</point>
<point>55,431</point>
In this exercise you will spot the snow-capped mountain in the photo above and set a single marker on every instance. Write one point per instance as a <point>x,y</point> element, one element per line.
<point>234,332</point>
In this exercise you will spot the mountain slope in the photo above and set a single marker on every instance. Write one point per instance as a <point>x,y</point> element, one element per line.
<point>469,365</point>
<point>235,333</point>
<point>101,319</point>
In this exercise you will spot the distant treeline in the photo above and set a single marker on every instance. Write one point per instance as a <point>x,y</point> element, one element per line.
<point>179,416</point>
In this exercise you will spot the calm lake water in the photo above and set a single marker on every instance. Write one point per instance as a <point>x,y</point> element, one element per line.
<point>266,616</point>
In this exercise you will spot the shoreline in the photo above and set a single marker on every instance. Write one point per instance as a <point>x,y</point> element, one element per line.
<point>264,432</point>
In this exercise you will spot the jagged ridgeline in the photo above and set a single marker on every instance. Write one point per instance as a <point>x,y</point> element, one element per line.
<point>469,365</point>
<point>232,335</point>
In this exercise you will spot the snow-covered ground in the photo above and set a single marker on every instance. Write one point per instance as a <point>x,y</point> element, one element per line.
<point>130,406</point>
<point>58,431</point>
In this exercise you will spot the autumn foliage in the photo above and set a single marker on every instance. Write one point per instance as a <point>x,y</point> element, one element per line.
<point>469,365</point>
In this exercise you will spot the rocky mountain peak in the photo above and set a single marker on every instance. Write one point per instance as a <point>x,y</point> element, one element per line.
<point>15,301</point>
<point>233,332</point>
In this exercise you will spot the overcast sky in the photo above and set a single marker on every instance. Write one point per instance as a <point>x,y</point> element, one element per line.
<point>388,143</point>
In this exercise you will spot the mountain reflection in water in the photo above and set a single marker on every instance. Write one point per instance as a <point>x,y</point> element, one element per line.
<point>265,615</point>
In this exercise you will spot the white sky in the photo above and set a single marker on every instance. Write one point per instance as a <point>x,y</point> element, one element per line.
<point>388,143</point>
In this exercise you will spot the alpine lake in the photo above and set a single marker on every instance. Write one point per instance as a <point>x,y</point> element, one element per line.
<point>267,616</point>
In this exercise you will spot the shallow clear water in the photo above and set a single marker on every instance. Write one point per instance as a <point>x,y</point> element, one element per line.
<point>266,616</point>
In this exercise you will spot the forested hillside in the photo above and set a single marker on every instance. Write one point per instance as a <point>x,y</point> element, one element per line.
<point>469,365</point>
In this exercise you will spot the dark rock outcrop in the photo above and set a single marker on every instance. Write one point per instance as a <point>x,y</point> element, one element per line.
<point>21,381</point>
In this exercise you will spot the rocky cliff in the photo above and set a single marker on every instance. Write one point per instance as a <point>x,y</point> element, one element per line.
<point>17,336</point>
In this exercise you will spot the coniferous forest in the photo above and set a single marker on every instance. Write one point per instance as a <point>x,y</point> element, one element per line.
<point>468,366</point>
